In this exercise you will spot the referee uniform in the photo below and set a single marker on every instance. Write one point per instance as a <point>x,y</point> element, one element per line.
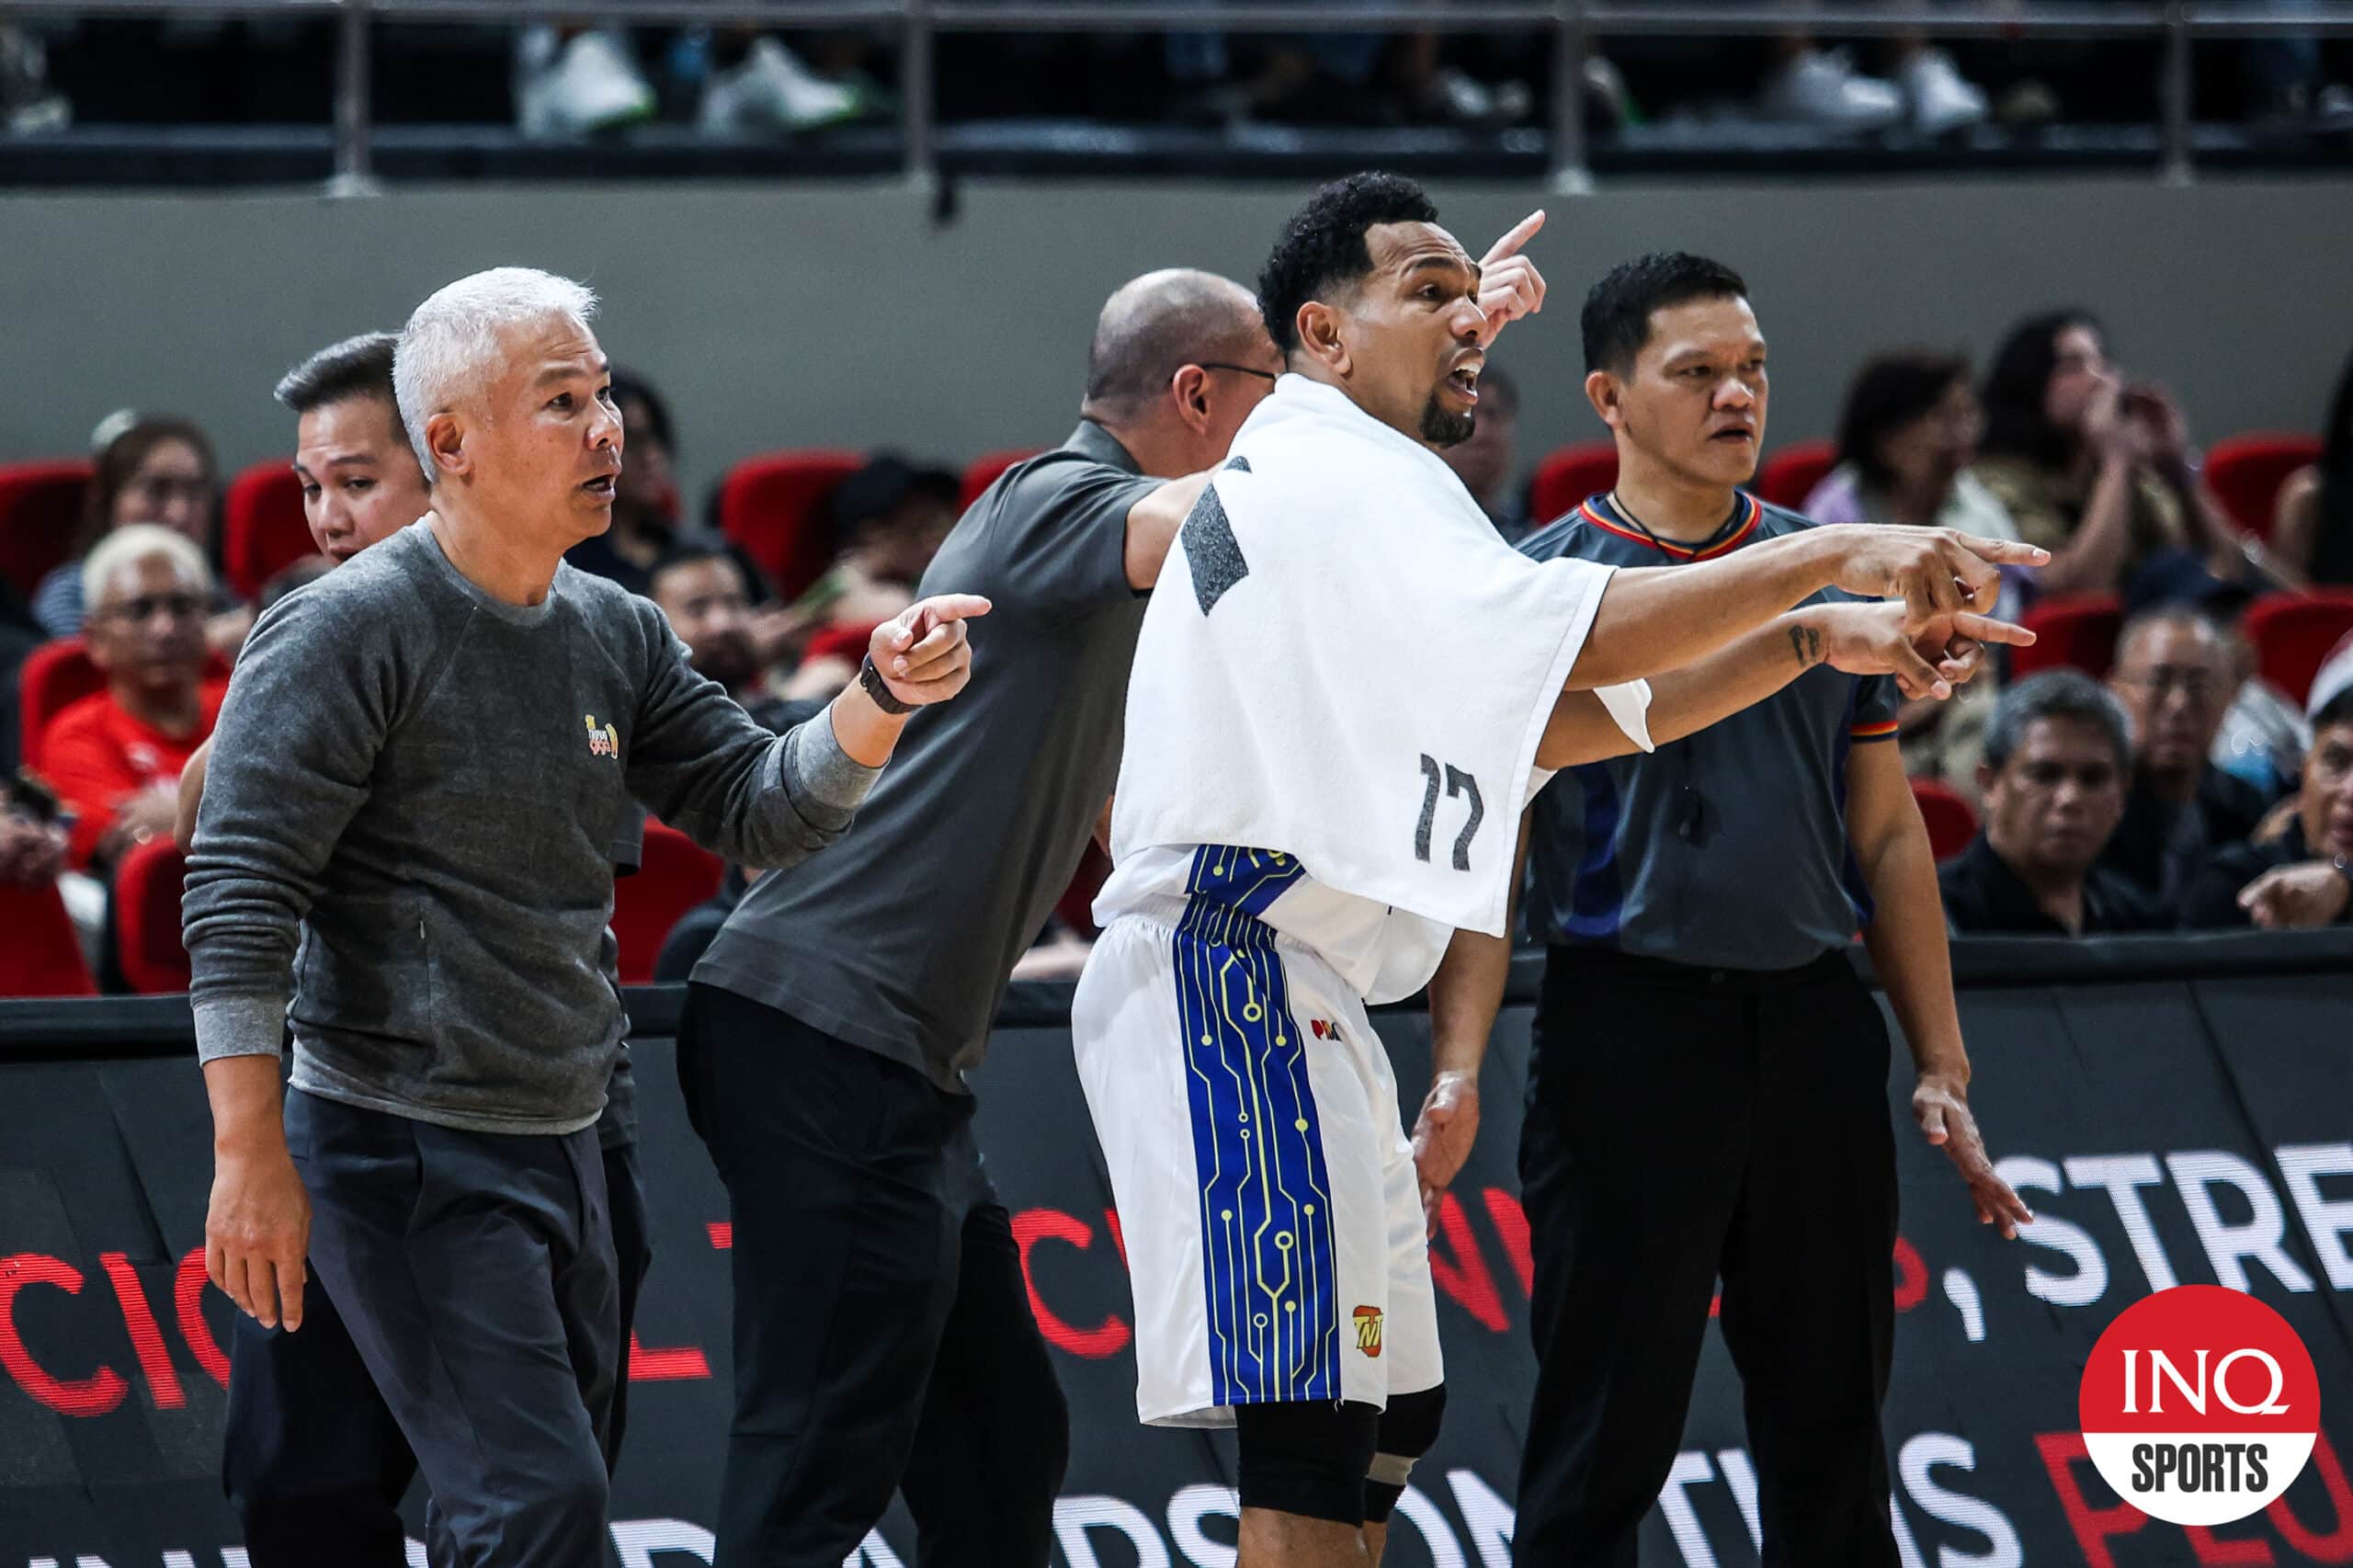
<point>1707,1101</point>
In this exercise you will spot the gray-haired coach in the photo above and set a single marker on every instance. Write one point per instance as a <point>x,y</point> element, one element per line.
<point>420,764</point>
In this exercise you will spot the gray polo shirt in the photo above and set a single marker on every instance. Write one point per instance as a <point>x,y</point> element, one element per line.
<point>900,937</point>
<point>1727,848</point>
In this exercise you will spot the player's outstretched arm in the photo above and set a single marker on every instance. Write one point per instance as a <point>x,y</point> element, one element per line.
<point>1657,618</point>
<point>1860,639</point>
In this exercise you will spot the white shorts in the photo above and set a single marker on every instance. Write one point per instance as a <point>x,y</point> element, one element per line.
<point>1266,1190</point>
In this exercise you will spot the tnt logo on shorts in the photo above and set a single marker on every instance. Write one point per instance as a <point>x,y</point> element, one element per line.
<point>2200,1405</point>
<point>1368,1330</point>
<point>605,742</point>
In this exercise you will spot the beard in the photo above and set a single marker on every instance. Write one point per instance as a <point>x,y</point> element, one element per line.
<point>1442,428</point>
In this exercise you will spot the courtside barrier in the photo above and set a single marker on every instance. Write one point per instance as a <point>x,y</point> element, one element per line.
<point>2175,1110</point>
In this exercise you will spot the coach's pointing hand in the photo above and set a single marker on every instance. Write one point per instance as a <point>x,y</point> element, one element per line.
<point>924,653</point>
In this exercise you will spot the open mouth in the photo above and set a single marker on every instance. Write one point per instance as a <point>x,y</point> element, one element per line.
<point>1739,435</point>
<point>601,486</point>
<point>1464,381</point>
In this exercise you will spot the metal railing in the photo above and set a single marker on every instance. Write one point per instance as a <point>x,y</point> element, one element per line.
<point>1571,25</point>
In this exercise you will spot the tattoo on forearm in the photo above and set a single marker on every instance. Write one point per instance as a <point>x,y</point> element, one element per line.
<point>1806,643</point>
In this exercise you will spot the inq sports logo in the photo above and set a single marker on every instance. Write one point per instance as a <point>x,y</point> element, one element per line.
<point>2200,1405</point>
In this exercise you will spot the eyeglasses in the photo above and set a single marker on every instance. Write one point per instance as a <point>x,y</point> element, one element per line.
<point>1268,376</point>
<point>139,611</point>
<point>2198,686</point>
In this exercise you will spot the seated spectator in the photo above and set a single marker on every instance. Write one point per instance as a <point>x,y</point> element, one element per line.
<point>115,756</point>
<point>886,522</point>
<point>702,593</point>
<point>2058,751</point>
<point>159,470</point>
<point>2262,736</point>
<point>1906,441</point>
<point>645,497</point>
<point>1483,463</point>
<point>2175,673</point>
<point>2098,471</point>
<point>2300,878</point>
<point>2312,529</point>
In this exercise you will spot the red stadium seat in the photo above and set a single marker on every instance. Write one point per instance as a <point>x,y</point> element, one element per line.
<point>983,471</point>
<point>147,917</point>
<point>58,674</point>
<point>1789,475</point>
<point>1567,476</point>
<point>262,531</point>
<point>2292,635</point>
<point>773,507</point>
<point>1952,820</point>
<point>42,955</point>
<point>41,505</point>
<point>2072,630</point>
<point>674,874</point>
<point>2246,471</point>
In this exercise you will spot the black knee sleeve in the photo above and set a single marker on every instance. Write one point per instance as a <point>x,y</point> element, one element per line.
<point>1306,1458</point>
<point>1405,1431</point>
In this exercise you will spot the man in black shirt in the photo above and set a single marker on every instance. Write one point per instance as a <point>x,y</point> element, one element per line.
<point>2174,676</point>
<point>2057,755</point>
<point>2303,878</point>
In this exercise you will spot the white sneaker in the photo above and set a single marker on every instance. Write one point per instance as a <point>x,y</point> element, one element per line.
<point>773,91</point>
<point>590,83</point>
<point>1824,88</point>
<point>1942,99</point>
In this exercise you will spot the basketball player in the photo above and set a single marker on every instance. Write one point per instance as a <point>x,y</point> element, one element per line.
<point>1341,646</point>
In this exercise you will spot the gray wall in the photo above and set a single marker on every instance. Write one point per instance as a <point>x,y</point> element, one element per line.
<point>787,316</point>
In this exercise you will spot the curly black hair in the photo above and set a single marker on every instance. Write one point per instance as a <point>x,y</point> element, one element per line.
<point>1615,321</point>
<point>1322,245</point>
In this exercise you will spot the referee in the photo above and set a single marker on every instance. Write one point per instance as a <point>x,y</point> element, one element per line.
<point>1706,1092</point>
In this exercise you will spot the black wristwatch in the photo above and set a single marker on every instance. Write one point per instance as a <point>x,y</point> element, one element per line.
<point>870,680</point>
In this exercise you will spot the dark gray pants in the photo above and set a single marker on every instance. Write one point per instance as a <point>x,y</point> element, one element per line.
<point>476,1274</point>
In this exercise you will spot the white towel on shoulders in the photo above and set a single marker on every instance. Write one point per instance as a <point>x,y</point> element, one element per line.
<point>1343,661</point>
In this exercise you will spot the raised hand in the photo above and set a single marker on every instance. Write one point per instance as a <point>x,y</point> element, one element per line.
<point>1510,285</point>
<point>924,653</point>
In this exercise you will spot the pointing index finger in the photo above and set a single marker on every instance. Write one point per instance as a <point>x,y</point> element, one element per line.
<point>1521,232</point>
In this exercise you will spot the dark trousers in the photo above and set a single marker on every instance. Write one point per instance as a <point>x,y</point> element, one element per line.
<point>1686,1126</point>
<point>477,1276</point>
<point>311,1456</point>
<point>883,1339</point>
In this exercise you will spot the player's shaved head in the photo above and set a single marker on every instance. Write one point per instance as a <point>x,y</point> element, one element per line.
<point>1156,326</point>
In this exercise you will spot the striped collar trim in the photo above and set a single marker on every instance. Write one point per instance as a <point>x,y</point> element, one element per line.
<point>1679,551</point>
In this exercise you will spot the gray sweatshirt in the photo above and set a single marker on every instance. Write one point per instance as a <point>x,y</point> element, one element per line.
<point>423,782</point>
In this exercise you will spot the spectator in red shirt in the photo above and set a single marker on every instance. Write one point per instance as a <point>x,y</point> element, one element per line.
<point>116,757</point>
